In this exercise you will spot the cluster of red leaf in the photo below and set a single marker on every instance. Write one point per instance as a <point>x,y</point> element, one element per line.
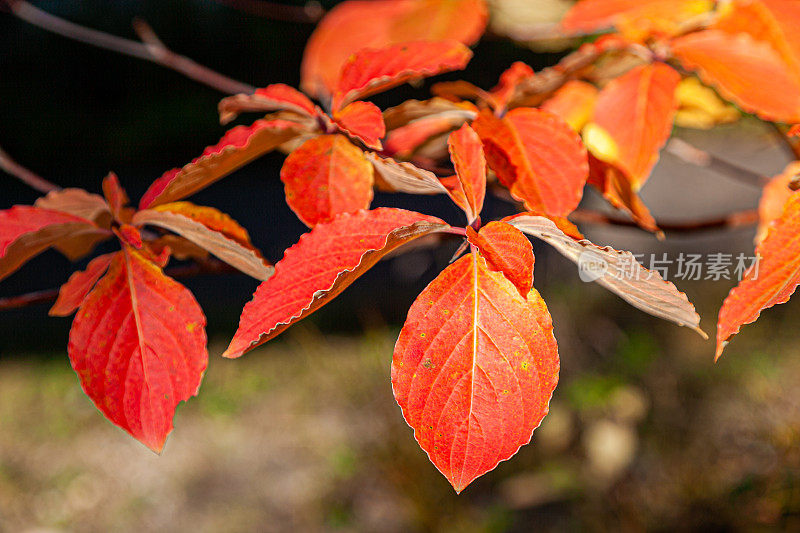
<point>476,362</point>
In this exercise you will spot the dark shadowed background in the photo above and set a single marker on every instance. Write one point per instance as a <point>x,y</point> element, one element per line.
<point>645,433</point>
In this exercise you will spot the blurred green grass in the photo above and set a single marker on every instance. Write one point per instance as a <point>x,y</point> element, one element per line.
<point>645,433</point>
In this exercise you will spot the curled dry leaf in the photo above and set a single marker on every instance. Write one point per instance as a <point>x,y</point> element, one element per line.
<point>327,176</point>
<point>243,258</point>
<point>369,70</point>
<point>79,203</point>
<point>474,369</point>
<point>27,231</point>
<point>138,345</point>
<point>344,32</point>
<point>321,265</point>
<point>750,73</point>
<point>617,271</point>
<point>537,157</point>
<point>397,176</point>
<point>413,110</point>
<point>771,281</point>
<point>237,147</point>
<point>506,250</point>
<point>73,292</point>
<point>275,97</point>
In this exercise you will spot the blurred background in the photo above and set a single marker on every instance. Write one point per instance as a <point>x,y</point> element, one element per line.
<point>645,432</point>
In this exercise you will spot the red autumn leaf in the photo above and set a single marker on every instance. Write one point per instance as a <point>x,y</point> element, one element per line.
<point>72,293</point>
<point>115,195</point>
<point>592,15</point>
<point>503,93</point>
<point>774,196</point>
<point>354,25</point>
<point>321,265</point>
<point>474,369</point>
<point>750,73</point>
<point>212,218</point>
<point>466,153</point>
<point>275,97</point>
<point>771,281</point>
<point>138,345</point>
<point>327,176</point>
<point>636,110</point>
<point>537,157</point>
<point>363,121</point>
<point>574,102</point>
<point>506,250</point>
<point>242,257</point>
<point>373,70</point>
<point>237,147</point>
<point>618,271</point>
<point>616,187</point>
<point>27,231</point>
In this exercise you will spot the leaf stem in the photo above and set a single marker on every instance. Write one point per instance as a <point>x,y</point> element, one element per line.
<point>695,156</point>
<point>151,49</point>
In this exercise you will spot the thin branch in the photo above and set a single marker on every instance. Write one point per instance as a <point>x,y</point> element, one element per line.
<point>151,49</point>
<point>731,221</point>
<point>701,158</point>
<point>26,176</point>
<point>211,266</point>
<point>310,13</point>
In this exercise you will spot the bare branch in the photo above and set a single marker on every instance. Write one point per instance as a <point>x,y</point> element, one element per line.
<point>150,50</point>
<point>701,158</point>
<point>310,13</point>
<point>210,266</point>
<point>731,221</point>
<point>26,176</point>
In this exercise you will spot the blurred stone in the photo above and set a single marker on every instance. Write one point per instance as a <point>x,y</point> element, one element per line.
<point>556,431</point>
<point>628,404</point>
<point>610,448</point>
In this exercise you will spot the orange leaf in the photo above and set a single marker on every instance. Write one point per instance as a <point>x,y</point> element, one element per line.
<point>537,157</point>
<point>474,369</point>
<point>770,282</point>
<point>27,231</point>
<point>616,187</point>
<point>503,93</point>
<point>138,345</point>
<point>73,292</point>
<point>275,97</point>
<point>327,176</point>
<point>506,250</point>
<point>354,25</point>
<point>574,102</point>
<point>363,121</point>
<point>774,196</point>
<point>404,141</point>
<point>369,70</point>
<point>636,110</point>
<point>747,72</point>
<point>321,265</point>
<point>772,21</point>
<point>237,147</point>
<point>661,15</point>
<point>466,153</point>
